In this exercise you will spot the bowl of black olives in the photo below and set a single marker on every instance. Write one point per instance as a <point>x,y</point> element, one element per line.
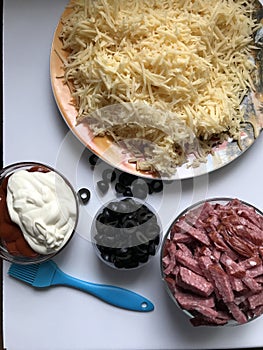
<point>126,233</point>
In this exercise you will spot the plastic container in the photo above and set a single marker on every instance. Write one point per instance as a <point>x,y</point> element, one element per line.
<point>126,233</point>
<point>13,246</point>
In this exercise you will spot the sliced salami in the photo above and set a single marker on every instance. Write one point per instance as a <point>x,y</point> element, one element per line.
<point>212,263</point>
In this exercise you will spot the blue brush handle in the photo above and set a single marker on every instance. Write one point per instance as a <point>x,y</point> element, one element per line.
<point>116,296</point>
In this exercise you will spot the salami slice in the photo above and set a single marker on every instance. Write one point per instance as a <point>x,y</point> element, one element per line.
<point>189,280</point>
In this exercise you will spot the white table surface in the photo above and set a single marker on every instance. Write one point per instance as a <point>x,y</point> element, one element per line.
<point>67,319</point>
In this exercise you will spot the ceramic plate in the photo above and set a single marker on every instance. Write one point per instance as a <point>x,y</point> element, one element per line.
<point>114,154</point>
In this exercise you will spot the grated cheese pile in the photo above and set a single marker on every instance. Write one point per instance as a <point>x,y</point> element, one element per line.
<point>186,61</point>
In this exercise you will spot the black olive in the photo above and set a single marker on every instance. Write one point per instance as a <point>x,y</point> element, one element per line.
<point>112,208</point>
<point>152,230</point>
<point>101,218</point>
<point>141,249</point>
<point>109,242</point>
<point>131,203</point>
<point>120,188</point>
<point>114,222</point>
<point>97,237</point>
<point>129,230</point>
<point>93,159</point>
<point>143,214</point>
<point>156,185</point>
<point>99,227</point>
<point>100,223</point>
<point>122,252</point>
<point>141,237</point>
<point>119,263</point>
<point>84,195</point>
<point>122,240</point>
<point>127,192</point>
<point>106,214</point>
<point>150,191</point>
<point>152,248</point>
<point>109,230</point>
<point>100,247</point>
<point>157,240</point>
<point>131,263</point>
<point>105,250</point>
<point>103,186</point>
<point>143,259</point>
<point>126,179</point>
<point>139,189</point>
<point>108,257</point>
<point>108,175</point>
<point>129,223</point>
<point>124,207</point>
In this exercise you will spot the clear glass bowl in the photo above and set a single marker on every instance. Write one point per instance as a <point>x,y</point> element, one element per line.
<point>6,241</point>
<point>182,251</point>
<point>126,233</point>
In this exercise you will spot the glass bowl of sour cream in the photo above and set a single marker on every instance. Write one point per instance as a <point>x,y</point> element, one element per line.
<point>38,212</point>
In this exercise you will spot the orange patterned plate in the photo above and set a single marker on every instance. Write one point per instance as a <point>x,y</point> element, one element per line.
<point>115,155</point>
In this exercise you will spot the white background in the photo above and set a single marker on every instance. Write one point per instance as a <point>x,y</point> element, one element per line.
<point>67,319</point>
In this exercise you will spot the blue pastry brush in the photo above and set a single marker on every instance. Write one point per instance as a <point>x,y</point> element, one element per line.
<point>48,274</point>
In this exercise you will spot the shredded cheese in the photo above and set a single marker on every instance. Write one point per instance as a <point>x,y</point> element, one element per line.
<point>187,59</point>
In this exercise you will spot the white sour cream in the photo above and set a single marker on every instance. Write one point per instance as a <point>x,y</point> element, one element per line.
<point>44,207</point>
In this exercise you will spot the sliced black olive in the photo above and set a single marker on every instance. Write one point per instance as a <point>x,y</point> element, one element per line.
<point>143,259</point>
<point>126,179</point>
<point>108,175</point>
<point>141,237</point>
<point>120,188</point>
<point>152,230</point>
<point>156,186</point>
<point>105,250</point>
<point>108,257</point>
<point>127,192</point>
<point>152,248</point>
<point>150,191</point>
<point>129,223</point>
<point>141,249</point>
<point>131,263</point>
<point>100,247</point>
<point>125,207</point>
<point>118,263</point>
<point>101,218</point>
<point>99,227</point>
<point>127,233</point>
<point>110,231</point>
<point>93,159</point>
<point>139,189</point>
<point>129,230</point>
<point>112,207</point>
<point>97,237</point>
<point>114,222</point>
<point>103,186</point>
<point>157,240</point>
<point>122,252</point>
<point>84,195</point>
<point>143,214</point>
<point>108,242</point>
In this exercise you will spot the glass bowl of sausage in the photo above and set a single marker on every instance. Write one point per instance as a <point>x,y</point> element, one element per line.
<point>212,262</point>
